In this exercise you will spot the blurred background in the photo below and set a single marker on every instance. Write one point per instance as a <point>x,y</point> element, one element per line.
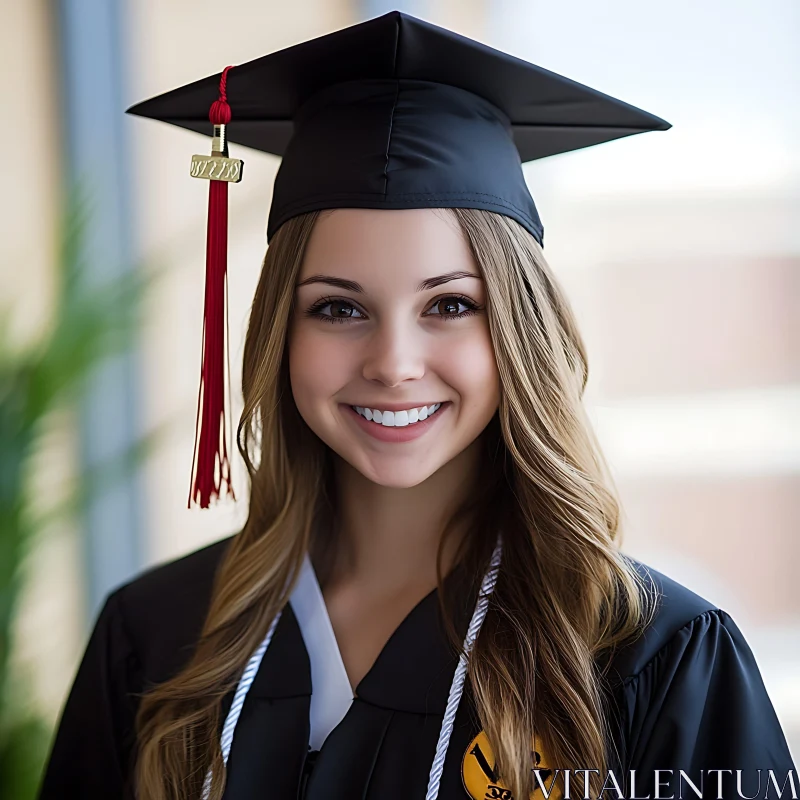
<point>680,251</point>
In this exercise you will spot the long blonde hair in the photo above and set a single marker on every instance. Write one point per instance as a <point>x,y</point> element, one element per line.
<point>564,594</point>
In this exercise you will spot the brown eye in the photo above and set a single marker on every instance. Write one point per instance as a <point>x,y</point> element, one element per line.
<point>341,306</point>
<point>448,306</point>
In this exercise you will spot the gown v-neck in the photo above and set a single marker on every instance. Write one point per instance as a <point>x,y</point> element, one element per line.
<point>332,694</point>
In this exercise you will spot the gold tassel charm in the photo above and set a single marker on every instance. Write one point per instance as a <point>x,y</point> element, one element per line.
<point>217,166</point>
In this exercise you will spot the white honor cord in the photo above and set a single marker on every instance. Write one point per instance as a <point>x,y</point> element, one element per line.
<point>456,688</point>
<point>238,700</point>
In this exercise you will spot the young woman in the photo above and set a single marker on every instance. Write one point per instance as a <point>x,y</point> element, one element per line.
<point>428,599</point>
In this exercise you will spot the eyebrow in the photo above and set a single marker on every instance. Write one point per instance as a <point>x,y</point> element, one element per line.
<point>353,286</point>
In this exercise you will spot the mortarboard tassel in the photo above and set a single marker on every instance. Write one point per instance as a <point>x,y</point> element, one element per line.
<point>211,456</point>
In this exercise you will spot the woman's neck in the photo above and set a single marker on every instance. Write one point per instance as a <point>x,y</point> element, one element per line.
<point>386,539</point>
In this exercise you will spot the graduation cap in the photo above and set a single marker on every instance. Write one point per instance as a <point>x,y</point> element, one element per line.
<point>391,113</point>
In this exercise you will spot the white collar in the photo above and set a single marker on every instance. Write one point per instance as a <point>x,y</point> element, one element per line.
<point>331,693</point>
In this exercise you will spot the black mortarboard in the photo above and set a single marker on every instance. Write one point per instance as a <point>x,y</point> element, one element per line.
<point>390,113</point>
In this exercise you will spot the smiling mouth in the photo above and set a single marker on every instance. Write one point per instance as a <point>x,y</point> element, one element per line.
<point>397,419</point>
<point>393,433</point>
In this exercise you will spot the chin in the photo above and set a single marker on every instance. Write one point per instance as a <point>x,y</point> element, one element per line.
<point>389,471</point>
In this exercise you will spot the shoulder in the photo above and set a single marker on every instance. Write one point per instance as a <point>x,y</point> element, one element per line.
<point>680,615</point>
<point>691,695</point>
<point>162,609</point>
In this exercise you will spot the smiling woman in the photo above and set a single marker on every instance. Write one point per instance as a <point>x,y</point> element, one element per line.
<point>428,599</point>
<point>399,346</point>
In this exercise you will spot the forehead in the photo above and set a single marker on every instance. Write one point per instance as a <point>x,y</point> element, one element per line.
<point>361,242</point>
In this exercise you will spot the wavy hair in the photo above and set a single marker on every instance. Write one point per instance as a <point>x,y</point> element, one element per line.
<point>565,593</point>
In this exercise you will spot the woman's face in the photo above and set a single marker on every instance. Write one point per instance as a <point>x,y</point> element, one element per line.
<point>393,332</point>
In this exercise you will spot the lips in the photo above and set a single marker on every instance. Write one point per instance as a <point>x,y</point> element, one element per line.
<point>387,433</point>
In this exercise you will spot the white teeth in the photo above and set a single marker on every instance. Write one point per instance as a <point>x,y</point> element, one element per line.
<point>397,419</point>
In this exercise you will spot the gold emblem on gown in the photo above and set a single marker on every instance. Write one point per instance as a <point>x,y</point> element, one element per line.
<point>480,779</point>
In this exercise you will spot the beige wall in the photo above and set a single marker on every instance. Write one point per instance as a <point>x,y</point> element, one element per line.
<point>30,168</point>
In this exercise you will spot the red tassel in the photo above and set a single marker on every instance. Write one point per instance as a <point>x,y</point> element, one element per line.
<point>211,457</point>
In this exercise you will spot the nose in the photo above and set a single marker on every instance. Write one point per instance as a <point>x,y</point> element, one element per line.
<point>394,353</point>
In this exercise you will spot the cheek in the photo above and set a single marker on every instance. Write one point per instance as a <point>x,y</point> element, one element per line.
<point>471,369</point>
<point>317,364</point>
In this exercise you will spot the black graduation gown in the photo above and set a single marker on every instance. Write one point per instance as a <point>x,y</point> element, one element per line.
<point>686,695</point>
